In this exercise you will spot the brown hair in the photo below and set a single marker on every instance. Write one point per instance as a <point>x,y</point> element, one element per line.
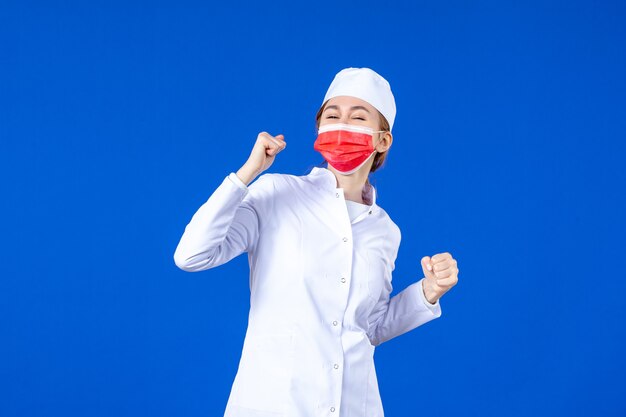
<point>379,159</point>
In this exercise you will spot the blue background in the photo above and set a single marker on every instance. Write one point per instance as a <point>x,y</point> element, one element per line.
<point>118,120</point>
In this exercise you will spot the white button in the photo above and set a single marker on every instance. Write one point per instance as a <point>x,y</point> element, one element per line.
<point>335,323</point>
<point>336,366</point>
<point>332,409</point>
<point>343,279</point>
<point>370,212</point>
<point>345,239</point>
<point>337,195</point>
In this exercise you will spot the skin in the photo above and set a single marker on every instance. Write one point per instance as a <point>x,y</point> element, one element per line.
<point>440,270</point>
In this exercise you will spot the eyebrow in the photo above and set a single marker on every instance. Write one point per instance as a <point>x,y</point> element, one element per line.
<point>351,108</point>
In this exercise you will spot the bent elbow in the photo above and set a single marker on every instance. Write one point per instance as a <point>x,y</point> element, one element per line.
<point>195,262</point>
<point>183,262</point>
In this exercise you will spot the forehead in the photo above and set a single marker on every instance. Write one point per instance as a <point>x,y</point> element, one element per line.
<point>349,101</point>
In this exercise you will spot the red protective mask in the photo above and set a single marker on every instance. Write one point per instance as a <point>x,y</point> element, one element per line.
<point>346,147</point>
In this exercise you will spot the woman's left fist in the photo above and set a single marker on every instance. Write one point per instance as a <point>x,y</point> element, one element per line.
<point>441,274</point>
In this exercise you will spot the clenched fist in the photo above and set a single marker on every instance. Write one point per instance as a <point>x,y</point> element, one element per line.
<point>262,156</point>
<point>441,274</point>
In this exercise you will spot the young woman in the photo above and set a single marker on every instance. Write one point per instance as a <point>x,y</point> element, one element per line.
<point>321,254</point>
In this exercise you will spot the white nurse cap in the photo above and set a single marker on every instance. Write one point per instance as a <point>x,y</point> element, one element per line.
<point>367,85</point>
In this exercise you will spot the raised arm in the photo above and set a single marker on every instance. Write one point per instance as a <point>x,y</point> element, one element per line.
<point>226,225</point>
<point>229,222</point>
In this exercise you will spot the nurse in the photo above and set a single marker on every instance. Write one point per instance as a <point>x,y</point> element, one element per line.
<point>321,254</point>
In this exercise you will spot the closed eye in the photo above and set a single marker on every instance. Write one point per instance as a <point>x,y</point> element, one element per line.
<point>335,117</point>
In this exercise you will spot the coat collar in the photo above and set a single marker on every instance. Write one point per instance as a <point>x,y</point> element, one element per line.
<point>330,182</point>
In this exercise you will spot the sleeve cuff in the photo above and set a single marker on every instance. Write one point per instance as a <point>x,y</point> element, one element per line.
<point>431,307</point>
<point>237,181</point>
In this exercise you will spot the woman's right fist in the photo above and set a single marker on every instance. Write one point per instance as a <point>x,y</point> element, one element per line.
<point>262,156</point>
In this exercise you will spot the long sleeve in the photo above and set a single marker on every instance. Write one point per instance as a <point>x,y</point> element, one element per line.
<point>435,308</point>
<point>226,225</point>
<point>403,312</point>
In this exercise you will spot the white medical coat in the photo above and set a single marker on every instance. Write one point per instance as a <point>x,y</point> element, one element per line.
<point>320,289</point>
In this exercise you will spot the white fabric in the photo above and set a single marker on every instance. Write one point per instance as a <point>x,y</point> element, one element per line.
<point>368,85</point>
<point>355,209</point>
<point>320,287</point>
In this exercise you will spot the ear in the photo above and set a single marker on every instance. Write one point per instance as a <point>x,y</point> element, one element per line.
<point>384,143</point>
